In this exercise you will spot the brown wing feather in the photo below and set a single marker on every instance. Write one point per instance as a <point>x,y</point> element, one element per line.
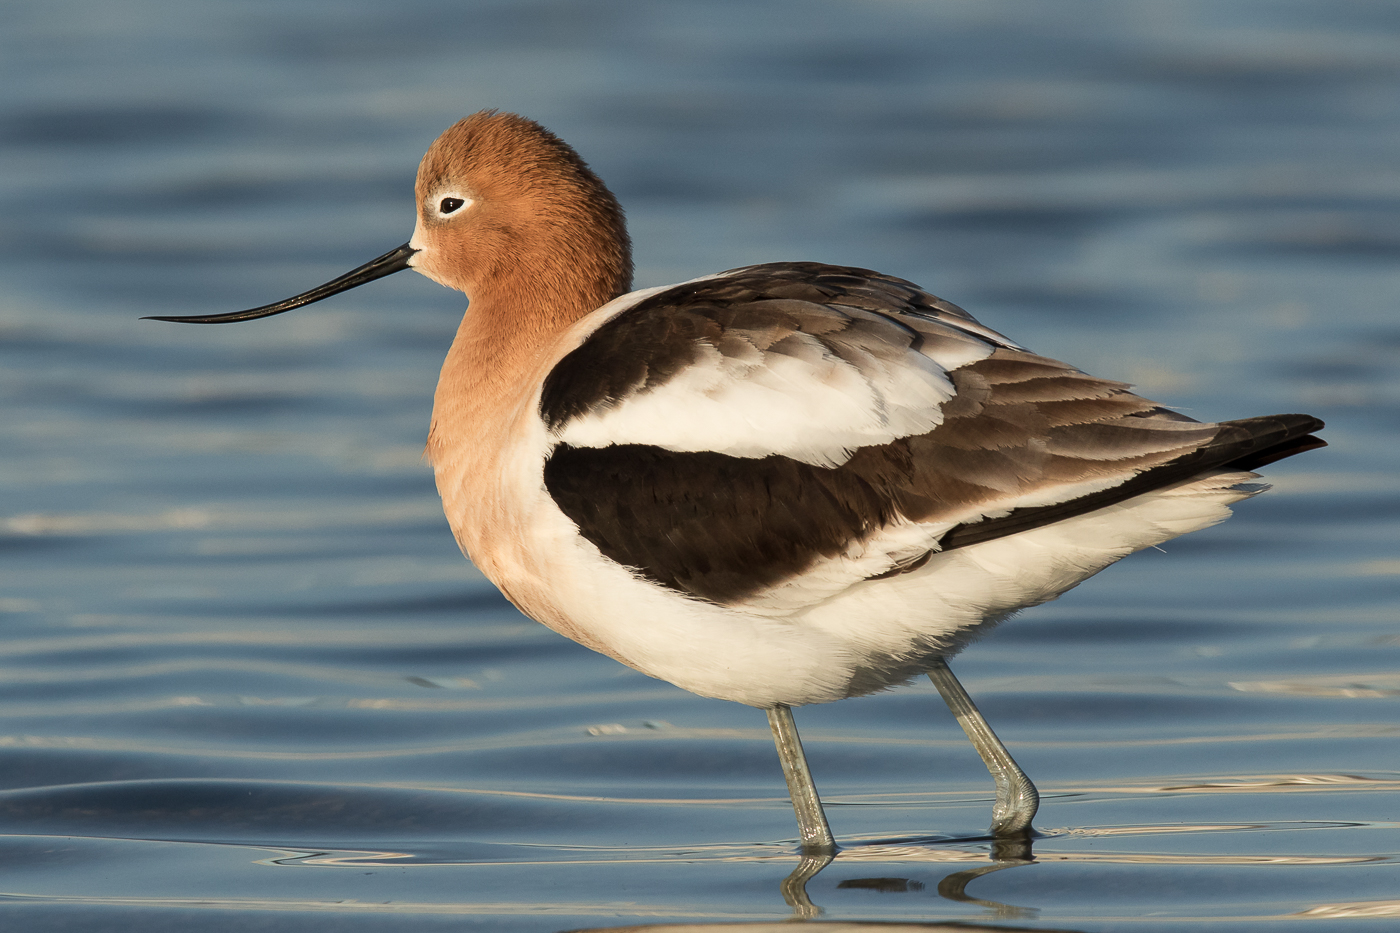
<point>1025,442</point>
<point>1023,425</point>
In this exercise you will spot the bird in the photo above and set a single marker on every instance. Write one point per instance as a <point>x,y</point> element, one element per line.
<point>782,484</point>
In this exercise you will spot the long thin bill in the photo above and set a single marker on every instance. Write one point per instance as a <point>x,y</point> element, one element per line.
<point>396,260</point>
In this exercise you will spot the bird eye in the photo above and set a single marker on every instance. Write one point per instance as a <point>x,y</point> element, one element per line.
<point>449,205</point>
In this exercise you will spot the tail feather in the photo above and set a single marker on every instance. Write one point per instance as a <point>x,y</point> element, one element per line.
<point>1238,445</point>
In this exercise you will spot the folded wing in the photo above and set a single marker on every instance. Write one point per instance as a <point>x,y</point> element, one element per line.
<point>727,436</point>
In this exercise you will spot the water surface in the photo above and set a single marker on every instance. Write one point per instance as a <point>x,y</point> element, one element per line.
<point>248,683</point>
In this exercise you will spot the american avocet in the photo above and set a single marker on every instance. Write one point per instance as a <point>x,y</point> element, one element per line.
<point>783,484</point>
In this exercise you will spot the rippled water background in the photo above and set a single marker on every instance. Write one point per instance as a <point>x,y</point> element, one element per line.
<point>248,683</point>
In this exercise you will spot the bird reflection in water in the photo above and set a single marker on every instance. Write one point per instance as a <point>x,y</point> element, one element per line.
<point>838,926</point>
<point>1006,853</point>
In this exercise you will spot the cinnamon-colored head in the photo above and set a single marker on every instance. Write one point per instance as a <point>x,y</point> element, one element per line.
<point>509,213</point>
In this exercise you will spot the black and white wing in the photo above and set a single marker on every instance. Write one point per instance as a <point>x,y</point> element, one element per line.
<point>725,436</point>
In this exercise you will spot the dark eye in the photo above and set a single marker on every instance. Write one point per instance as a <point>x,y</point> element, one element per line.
<point>449,205</point>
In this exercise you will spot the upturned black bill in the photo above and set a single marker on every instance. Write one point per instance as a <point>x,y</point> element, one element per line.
<point>396,260</point>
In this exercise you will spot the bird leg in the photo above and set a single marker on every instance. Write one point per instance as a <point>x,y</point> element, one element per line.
<point>1017,799</point>
<point>811,820</point>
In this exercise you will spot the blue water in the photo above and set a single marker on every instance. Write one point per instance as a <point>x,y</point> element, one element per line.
<point>248,683</point>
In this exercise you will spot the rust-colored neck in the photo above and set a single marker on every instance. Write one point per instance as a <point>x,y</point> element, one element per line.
<point>510,331</point>
<point>541,243</point>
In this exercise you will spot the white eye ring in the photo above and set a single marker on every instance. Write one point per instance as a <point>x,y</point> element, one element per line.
<point>449,204</point>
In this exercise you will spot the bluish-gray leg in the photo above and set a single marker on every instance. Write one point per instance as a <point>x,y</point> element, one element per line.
<point>1017,799</point>
<point>811,820</point>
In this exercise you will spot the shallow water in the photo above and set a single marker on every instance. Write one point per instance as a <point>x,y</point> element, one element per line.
<point>248,683</point>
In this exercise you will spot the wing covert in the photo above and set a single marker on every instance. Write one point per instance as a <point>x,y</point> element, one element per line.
<point>797,359</point>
